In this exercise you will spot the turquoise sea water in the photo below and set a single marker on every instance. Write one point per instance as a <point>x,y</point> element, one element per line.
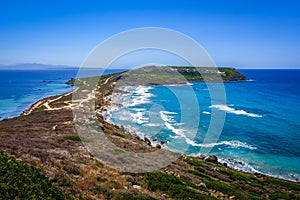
<point>261,131</point>
<point>19,89</point>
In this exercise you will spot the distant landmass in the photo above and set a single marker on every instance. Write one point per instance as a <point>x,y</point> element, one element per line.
<point>35,66</point>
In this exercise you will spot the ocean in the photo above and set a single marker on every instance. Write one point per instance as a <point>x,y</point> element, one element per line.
<point>19,89</point>
<point>261,131</point>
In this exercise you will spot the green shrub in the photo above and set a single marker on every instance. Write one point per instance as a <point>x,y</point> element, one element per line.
<point>77,138</point>
<point>283,195</point>
<point>282,183</point>
<point>106,192</point>
<point>119,135</point>
<point>21,181</point>
<point>174,187</point>
<point>63,182</point>
<point>200,174</point>
<point>192,162</point>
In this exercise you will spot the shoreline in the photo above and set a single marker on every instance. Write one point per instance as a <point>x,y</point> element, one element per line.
<point>37,103</point>
<point>229,162</point>
<point>47,138</point>
<point>112,104</point>
<point>105,109</point>
<point>44,101</point>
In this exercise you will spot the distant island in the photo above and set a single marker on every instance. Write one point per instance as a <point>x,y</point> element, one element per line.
<point>45,138</point>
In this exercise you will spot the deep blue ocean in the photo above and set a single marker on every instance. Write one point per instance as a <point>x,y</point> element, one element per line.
<point>261,132</point>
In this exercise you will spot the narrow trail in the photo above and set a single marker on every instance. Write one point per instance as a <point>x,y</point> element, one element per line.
<point>70,104</point>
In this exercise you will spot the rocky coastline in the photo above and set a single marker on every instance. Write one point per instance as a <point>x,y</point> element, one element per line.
<point>45,136</point>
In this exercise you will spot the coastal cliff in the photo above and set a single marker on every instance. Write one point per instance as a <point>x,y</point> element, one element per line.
<point>46,138</point>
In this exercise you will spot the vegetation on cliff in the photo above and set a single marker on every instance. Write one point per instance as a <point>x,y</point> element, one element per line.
<point>47,139</point>
<point>152,75</point>
<point>21,181</point>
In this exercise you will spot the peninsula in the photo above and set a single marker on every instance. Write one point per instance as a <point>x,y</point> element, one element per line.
<point>48,159</point>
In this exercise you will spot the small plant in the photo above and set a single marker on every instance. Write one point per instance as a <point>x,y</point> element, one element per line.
<point>173,186</point>
<point>106,192</point>
<point>119,135</point>
<point>77,138</point>
<point>63,182</point>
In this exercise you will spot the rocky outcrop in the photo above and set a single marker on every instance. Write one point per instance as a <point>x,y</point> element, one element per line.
<point>212,158</point>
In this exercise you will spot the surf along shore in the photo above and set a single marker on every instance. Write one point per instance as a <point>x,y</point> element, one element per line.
<point>45,137</point>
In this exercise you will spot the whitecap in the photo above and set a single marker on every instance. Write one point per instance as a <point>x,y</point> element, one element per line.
<point>234,111</point>
<point>167,118</point>
<point>153,124</point>
<point>206,112</point>
<point>140,95</point>
<point>238,165</point>
<point>231,143</point>
<point>139,118</point>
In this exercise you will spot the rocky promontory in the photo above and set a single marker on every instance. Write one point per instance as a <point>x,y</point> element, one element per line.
<point>46,138</point>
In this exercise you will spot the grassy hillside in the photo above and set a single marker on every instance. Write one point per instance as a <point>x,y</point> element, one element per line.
<point>21,181</point>
<point>152,75</point>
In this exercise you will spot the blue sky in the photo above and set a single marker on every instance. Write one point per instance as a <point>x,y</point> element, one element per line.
<point>239,33</point>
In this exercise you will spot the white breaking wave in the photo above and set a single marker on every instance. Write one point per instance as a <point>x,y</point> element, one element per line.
<point>166,118</point>
<point>205,112</point>
<point>238,165</point>
<point>140,95</point>
<point>231,143</point>
<point>234,111</point>
<point>170,123</point>
<point>153,124</point>
<point>139,118</point>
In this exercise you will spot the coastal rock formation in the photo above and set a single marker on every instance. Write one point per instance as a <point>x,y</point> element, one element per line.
<point>212,158</point>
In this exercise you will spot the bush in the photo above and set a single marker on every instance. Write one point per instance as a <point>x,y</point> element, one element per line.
<point>174,187</point>
<point>21,181</point>
<point>77,138</point>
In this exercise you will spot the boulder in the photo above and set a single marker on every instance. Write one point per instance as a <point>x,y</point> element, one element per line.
<point>148,142</point>
<point>137,187</point>
<point>212,158</point>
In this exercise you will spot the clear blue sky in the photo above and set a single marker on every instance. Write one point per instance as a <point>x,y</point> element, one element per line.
<point>240,33</point>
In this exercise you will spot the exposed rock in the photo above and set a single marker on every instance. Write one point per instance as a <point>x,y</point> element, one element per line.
<point>148,142</point>
<point>202,185</point>
<point>54,128</point>
<point>202,156</point>
<point>137,187</point>
<point>158,146</point>
<point>212,158</point>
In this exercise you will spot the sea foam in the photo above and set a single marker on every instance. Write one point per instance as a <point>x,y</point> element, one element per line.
<point>140,95</point>
<point>234,111</point>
